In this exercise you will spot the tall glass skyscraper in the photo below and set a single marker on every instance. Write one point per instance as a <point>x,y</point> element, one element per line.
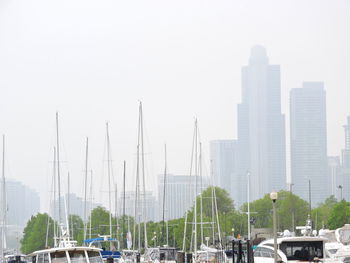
<point>308,131</point>
<point>261,132</point>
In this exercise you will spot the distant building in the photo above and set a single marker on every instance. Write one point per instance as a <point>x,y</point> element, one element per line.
<point>179,194</point>
<point>74,204</point>
<point>223,155</point>
<point>147,212</point>
<point>308,131</point>
<point>22,203</point>
<point>261,129</point>
<point>334,175</point>
<point>345,166</point>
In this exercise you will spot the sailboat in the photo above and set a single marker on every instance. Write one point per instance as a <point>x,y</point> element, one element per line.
<point>140,196</point>
<point>65,249</point>
<point>110,245</point>
<point>205,254</point>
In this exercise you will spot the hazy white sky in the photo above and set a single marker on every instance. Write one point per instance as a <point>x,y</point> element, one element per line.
<point>94,60</point>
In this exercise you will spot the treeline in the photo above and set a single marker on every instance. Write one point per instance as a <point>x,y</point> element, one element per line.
<point>291,211</point>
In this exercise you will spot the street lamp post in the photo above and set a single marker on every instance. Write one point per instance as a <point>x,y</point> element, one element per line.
<point>341,192</point>
<point>274,196</point>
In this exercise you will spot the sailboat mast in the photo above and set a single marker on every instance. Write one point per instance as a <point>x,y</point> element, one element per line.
<point>54,197</point>
<point>91,199</point>
<point>58,172</point>
<point>165,228</point>
<point>52,203</point>
<point>186,213</point>
<point>85,186</point>
<point>68,206</point>
<point>196,191</point>
<point>201,190</point>
<point>124,234</point>
<point>3,204</point>
<point>124,167</point>
<point>137,197</point>
<point>116,209</point>
<point>109,180</point>
<point>143,178</point>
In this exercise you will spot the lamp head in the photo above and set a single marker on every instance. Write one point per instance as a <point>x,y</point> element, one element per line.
<point>273,196</point>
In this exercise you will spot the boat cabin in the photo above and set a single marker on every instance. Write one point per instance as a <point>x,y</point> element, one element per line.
<point>291,249</point>
<point>66,255</point>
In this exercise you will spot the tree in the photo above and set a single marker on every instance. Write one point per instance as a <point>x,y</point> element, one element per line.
<point>99,221</point>
<point>34,234</point>
<point>287,205</point>
<point>76,225</point>
<point>223,200</point>
<point>322,213</point>
<point>339,215</point>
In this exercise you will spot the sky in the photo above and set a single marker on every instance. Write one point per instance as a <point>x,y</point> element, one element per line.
<point>94,60</point>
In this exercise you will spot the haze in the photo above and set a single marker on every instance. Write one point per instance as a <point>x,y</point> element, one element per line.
<point>92,61</point>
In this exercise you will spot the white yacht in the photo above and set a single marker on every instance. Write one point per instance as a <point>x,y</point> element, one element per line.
<point>338,243</point>
<point>67,252</point>
<point>290,248</point>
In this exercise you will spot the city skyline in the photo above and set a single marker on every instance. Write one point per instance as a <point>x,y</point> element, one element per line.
<point>182,59</point>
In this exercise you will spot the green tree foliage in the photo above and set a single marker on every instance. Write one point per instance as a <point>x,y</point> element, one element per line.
<point>34,234</point>
<point>76,226</point>
<point>288,206</point>
<point>99,221</point>
<point>339,215</point>
<point>223,201</point>
<point>321,214</point>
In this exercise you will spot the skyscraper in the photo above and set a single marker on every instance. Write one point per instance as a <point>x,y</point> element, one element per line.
<point>22,203</point>
<point>179,193</point>
<point>334,176</point>
<point>308,131</point>
<point>223,154</point>
<point>261,132</point>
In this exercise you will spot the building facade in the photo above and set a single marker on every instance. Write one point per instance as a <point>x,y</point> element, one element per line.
<point>179,195</point>
<point>74,204</point>
<point>146,207</point>
<point>223,161</point>
<point>22,202</point>
<point>308,131</point>
<point>261,129</point>
<point>334,176</point>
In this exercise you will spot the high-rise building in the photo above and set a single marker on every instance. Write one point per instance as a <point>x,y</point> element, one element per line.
<point>74,204</point>
<point>334,175</point>
<point>147,210</point>
<point>308,131</point>
<point>223,154</point>
<point>22,203</point>
<point>261,132</point>
<point>179,195</point>
<point>346,150</point>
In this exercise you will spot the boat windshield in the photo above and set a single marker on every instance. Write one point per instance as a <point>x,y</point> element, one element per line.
<point>94,257</point>
<point>77,256</point>
<point>169,254</point>
<point>302,250</point>
<point>58,257</point>
<point>106,245</point>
